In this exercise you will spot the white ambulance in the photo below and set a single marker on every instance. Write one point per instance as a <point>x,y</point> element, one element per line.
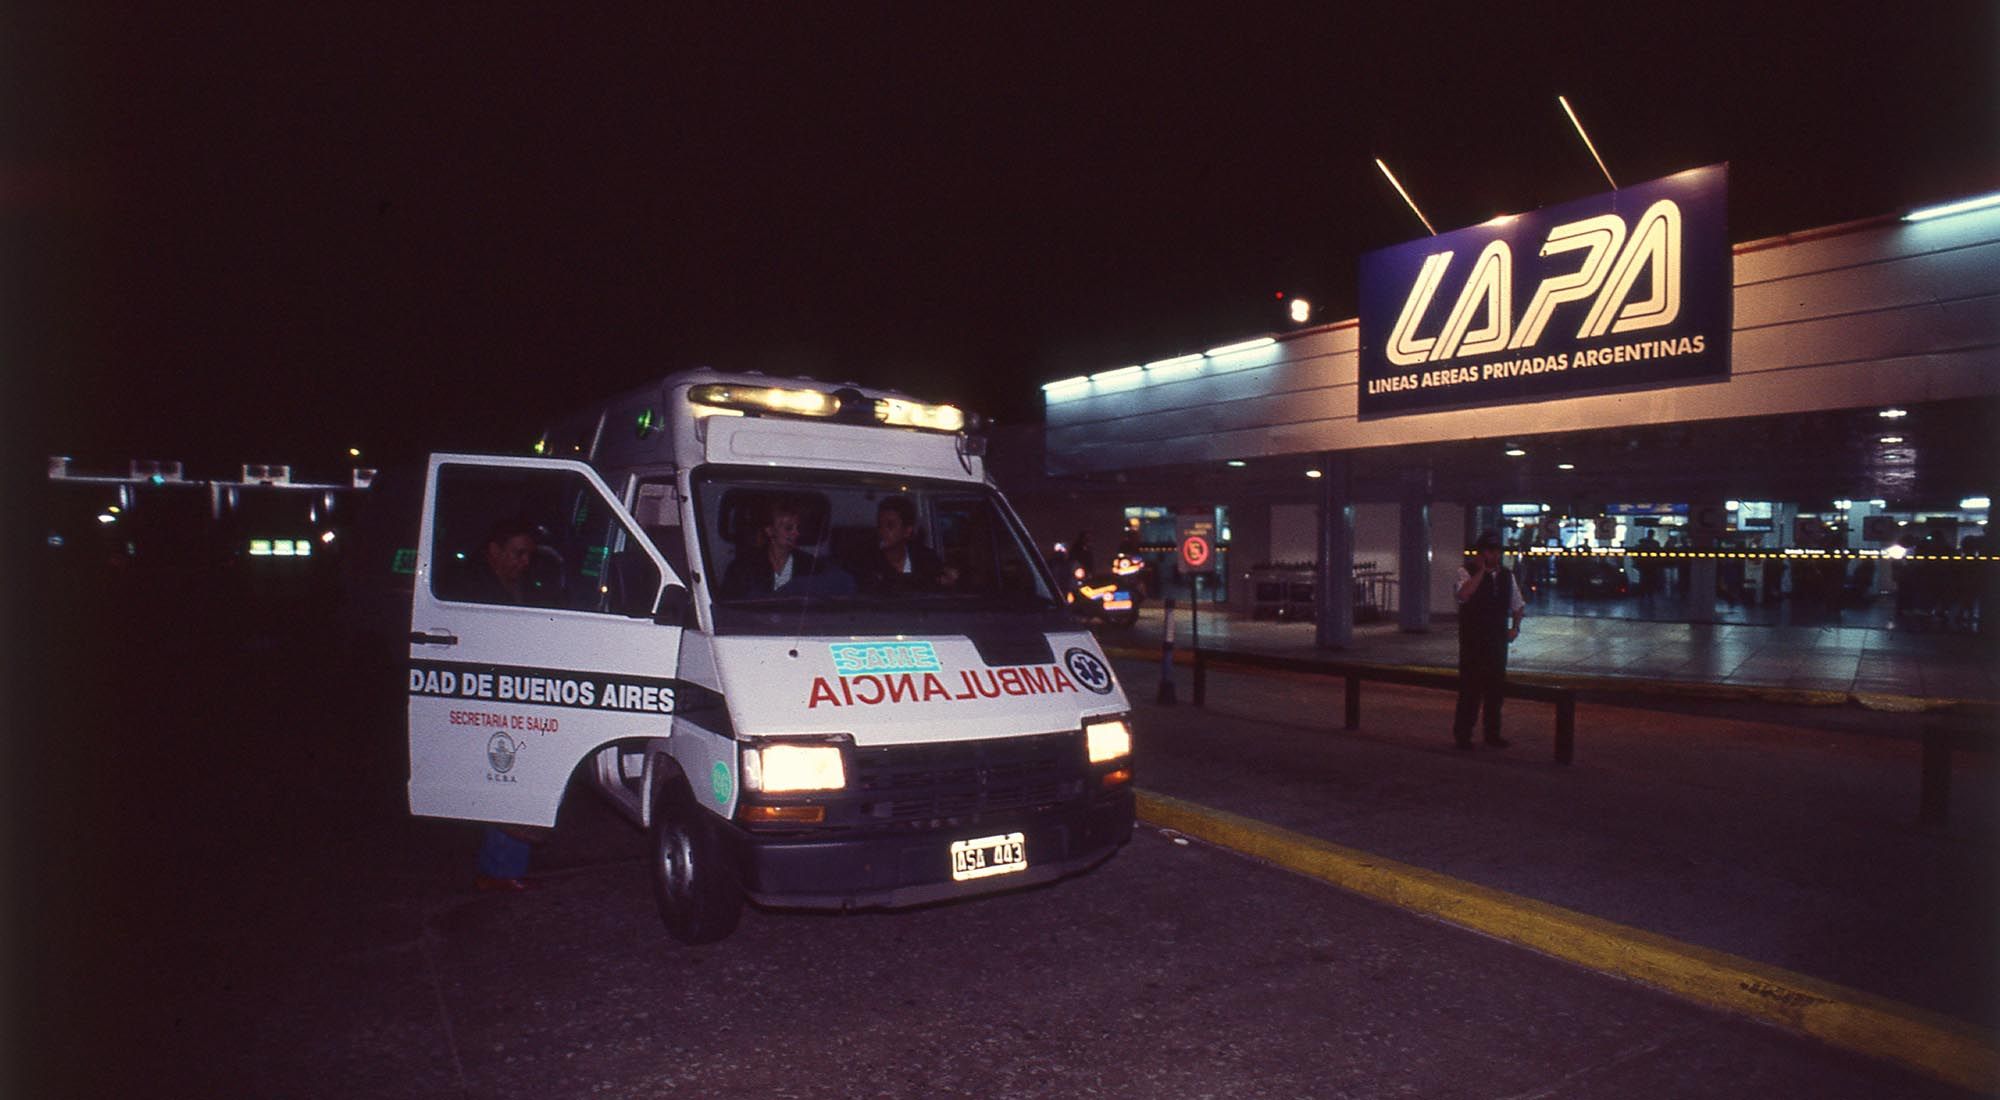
<point>790,629</point>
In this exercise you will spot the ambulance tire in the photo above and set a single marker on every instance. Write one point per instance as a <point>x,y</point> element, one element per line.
<point>696,892</point>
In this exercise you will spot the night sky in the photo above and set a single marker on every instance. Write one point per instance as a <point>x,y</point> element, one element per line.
<point>270,232</point>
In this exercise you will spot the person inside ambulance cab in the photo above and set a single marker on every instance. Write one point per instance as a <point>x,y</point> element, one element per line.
<point>774,560</point>
<point>903,563</point>
<point>500,572</point>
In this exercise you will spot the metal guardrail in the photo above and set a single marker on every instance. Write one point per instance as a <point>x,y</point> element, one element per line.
<point>1940,738</point>
<point>1354,673</point>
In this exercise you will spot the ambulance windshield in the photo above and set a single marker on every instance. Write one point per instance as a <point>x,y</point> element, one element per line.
<point>814,543</point>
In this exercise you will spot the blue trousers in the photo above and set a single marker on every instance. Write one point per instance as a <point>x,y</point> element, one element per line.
<point>502,856</point>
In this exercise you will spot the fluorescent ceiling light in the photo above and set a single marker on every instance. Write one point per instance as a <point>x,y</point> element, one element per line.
<point>1893,414</point>
<point>1314,473</point>
<point>1973,504</point>
<point>1178,361</point>
<point>1962,206</point>
<point>1247,345</point>
<point>1565,465</point>
<point>1066,384</point>
<point>1115,375</point>
<point>1515,452</point>
<point>1237,462</point>
<point>1891,439</point>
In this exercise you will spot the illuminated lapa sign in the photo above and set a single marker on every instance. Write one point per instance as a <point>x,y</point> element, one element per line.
<point>1624,290</point>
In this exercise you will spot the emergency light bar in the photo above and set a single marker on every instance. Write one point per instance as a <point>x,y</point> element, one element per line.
<point>762,399</point>
<point>898,413</point>
<point>846,405</point>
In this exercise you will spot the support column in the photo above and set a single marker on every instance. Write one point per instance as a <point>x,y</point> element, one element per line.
<point>1249,544</point>
<point>1707,519</point>
<point>1333,591</point>
<point>1413,554</point>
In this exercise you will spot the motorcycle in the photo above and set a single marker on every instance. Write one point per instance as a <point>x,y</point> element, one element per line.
<point>1112,597</point>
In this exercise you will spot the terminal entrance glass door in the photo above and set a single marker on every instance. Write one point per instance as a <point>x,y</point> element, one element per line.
<point>1853,563</point>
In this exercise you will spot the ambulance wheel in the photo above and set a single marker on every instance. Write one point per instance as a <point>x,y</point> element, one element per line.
<point>697,894</point>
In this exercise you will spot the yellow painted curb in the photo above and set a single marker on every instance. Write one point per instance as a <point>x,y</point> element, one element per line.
<point>1936,1045</point>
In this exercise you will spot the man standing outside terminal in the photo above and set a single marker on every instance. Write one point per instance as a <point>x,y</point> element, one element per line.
<point>1490,608</point>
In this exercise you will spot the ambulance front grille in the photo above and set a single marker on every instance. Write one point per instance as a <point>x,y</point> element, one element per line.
<point>961,781</point>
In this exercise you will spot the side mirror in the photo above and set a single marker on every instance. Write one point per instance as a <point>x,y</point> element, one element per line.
<point>675,603</point>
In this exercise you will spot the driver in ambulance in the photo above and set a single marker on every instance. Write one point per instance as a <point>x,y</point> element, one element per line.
<point>902,562</point>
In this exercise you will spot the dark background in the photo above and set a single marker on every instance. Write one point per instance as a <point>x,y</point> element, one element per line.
<point>271,232</point>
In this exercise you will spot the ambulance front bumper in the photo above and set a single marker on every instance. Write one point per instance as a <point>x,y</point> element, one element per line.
<point>897,868</point>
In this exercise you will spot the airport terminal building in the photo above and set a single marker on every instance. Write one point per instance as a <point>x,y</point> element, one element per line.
<point>1802,426</point>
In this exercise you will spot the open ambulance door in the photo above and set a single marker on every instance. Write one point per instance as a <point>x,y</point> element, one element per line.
<point>513,680</point>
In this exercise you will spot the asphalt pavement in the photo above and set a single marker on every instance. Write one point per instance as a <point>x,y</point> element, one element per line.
<point>1785,835</point>
<point>225,895</point>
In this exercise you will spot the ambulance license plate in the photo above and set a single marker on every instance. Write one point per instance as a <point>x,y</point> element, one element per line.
<point>987,856</point>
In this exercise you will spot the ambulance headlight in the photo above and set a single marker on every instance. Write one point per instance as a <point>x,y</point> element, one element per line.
<point>783,768</point>
<point>1108,739</point>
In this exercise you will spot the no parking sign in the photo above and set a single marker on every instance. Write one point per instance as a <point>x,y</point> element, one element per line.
<point>1197,542</point>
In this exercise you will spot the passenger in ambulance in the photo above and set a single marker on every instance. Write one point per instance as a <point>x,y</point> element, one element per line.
<point>500,575</point>
<point>902,563</point>
<point>500,569</point>
<point>774,559</point>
